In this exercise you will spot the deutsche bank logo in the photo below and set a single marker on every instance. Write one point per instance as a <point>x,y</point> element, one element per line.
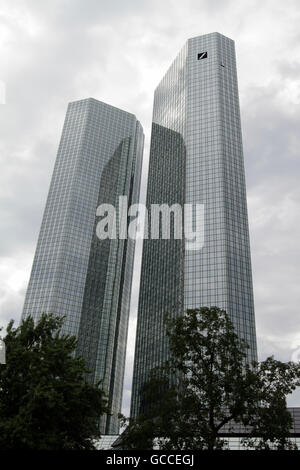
<point>202,55</point>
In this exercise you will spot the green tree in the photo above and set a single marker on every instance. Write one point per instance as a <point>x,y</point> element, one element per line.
<point>45,401</point>
<point>208,385</point>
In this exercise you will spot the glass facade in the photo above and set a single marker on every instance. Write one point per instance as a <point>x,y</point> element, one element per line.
<point>75,274</point>
<point>196,157</point>
<point>232,433</point>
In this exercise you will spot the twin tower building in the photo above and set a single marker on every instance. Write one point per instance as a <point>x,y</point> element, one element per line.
<point>196,158</point>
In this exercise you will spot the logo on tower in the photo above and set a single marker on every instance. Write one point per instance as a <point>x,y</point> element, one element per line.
<point>202,55</point>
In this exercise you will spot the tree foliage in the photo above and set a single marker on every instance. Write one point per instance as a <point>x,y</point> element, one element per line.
<point>45,401</point>
<point>208,385</point>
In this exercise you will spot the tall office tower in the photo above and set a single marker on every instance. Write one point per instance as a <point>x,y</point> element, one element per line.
<point>74,273</point>
<point>196,157</point>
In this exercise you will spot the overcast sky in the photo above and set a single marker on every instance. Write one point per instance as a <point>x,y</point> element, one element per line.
<point>57,51</point>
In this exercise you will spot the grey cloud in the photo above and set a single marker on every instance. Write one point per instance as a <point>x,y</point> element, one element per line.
<point>271,140</point>
<point>288,69</point>
<point>271,144</point>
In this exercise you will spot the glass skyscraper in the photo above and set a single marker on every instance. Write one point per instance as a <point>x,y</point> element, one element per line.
<point>74,273</point>
<point>196,157</point>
